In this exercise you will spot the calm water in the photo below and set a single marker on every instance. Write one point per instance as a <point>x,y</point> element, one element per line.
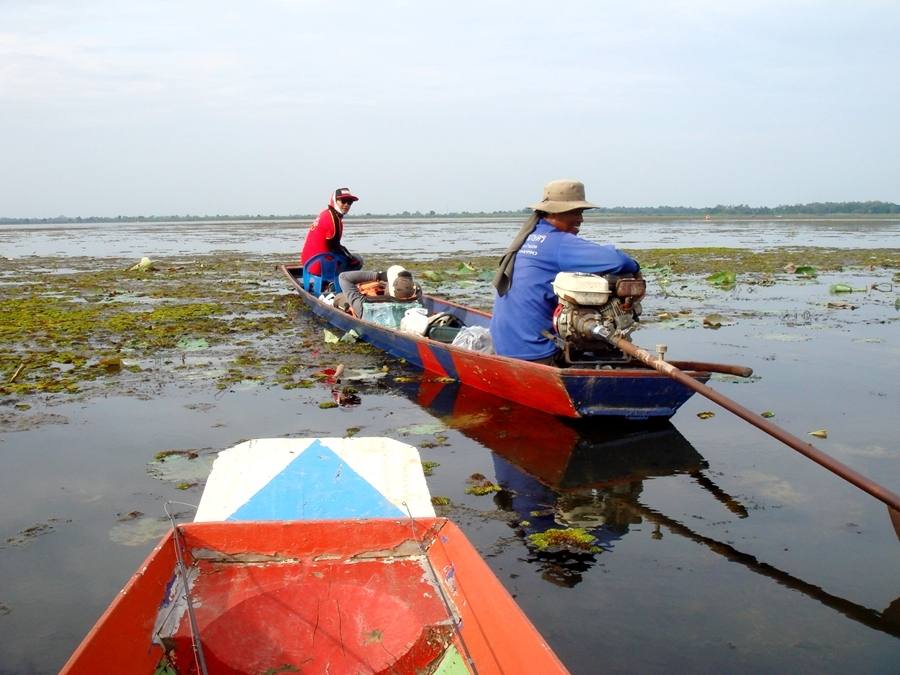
<point>405,237</point>
<point>722,550</point>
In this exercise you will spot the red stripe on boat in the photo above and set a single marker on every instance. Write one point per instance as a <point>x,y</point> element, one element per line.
<point>429,360</point>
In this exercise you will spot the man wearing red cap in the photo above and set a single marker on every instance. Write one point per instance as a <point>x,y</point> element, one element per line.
<point>324,234</point>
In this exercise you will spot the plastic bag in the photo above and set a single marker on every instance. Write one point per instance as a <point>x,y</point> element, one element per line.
<point>388,314</point>
<point>476,338</point>
<point>415,321</point>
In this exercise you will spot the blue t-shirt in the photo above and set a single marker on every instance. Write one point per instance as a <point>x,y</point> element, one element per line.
<point>526,311</point>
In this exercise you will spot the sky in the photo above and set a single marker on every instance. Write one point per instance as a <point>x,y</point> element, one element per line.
<point>195,107</point>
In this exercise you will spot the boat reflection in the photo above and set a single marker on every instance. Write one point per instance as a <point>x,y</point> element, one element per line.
<point>590,474</point>
<point>557,473</point>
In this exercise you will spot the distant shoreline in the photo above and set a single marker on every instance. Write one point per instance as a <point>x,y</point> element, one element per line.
<point>453,217</point>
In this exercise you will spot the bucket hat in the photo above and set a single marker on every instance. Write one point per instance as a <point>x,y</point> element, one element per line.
<point>563,195</point>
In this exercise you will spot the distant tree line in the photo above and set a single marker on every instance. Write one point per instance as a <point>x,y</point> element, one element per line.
<point>811,209</point>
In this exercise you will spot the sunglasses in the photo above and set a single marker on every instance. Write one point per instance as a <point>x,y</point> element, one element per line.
<point>345,201</point>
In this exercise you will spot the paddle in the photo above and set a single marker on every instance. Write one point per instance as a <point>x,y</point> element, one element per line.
<point>803,447</point>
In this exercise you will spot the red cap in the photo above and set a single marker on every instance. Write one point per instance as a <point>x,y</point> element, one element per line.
<point>343,194</point>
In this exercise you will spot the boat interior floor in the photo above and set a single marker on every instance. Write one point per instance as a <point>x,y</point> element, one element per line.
<point>314,616</point>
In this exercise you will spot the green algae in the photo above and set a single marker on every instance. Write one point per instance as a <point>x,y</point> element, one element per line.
<point>429,467</point>
<point>570,539</point>
<point>100,325</point>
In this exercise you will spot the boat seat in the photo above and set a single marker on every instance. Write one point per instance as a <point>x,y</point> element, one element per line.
<point>330,266</point>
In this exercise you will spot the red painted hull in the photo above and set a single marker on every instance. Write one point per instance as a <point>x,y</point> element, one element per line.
<point>318,596</point>
<point>633,392</point>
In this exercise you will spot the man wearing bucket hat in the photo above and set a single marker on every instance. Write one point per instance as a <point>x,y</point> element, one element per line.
<point>546,245</point>
<point>324,235</point>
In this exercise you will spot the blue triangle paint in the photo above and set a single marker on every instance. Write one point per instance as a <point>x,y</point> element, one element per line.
<point>316,485</point>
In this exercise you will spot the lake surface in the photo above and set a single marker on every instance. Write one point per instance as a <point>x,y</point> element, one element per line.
<point>405,237</point>
<point>721,549</point>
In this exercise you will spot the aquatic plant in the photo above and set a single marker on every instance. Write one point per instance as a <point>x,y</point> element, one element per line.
<point>570,539</point>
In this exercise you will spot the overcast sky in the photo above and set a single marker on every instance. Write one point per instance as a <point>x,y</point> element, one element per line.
<point>157,107</point>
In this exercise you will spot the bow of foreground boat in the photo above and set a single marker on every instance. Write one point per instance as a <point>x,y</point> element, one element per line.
<point>373,583</point>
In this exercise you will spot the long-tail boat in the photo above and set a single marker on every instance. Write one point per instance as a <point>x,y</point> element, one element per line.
<point>315,555</point>
<point>623,389</point>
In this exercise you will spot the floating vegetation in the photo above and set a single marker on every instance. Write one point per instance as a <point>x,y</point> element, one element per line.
<point>438,441</point>
<point>102,325</point>
<point>767,414</point>
<point>847,288</point>
<point>181,466</point>
<point>480,485</point>
<point>325,405</point>
<point>351,432</point>
<point>35,531</point>
<point>706,414</point>
<point>714,321</point>
<point>440,501</point>
<point>162,455</point>
<point>140,531</point>
<point>429,467</point>
<point>724,280</point>
<point>574,539</point>
<point>819,433</point>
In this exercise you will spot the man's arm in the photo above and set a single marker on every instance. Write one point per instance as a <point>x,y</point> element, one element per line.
<point>347,282</point>
<point>579,255</point>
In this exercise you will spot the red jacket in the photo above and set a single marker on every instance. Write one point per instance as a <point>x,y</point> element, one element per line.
<point>324,236</point>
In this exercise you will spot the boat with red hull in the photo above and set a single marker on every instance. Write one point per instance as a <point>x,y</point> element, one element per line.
<point>630,390</point>
<point>318,555</point>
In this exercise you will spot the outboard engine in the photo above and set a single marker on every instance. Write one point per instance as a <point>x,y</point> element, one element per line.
<point>592,307</point>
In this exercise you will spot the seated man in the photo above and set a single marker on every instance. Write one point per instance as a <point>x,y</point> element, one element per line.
<point>546,245</point>
<point>324,235</point>
<point>396,284</point>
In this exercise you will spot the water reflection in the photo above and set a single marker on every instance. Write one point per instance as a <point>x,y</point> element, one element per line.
<point>562,474</point>
<point>590,474</point>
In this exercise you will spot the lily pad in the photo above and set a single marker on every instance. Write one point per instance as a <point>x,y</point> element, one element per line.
<point>180,468</point>
<point>192,344</point>
<point>715,321</point>
<point>722,279</point>
<point>140,531</point>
